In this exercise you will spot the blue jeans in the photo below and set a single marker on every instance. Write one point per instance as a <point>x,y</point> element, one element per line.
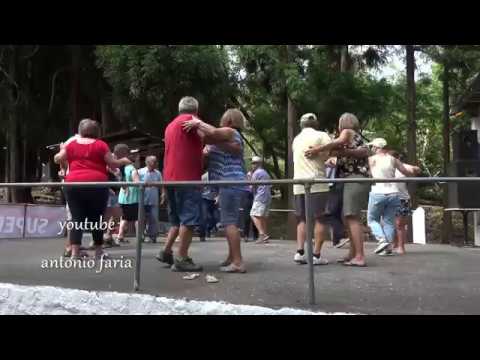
<point>383,206</point>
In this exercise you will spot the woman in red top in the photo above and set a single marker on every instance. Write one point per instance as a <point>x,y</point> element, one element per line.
<point>87,159</point>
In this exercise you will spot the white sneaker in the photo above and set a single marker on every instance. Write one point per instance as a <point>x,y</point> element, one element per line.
<point>382,245</point>
<point>320,261</point>
<point>342,243</point>
<point>386,252</point>
<point>300,259</point>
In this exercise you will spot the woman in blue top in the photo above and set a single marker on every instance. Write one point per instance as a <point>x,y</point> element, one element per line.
<point>128,197</point>
<point>225,162</point>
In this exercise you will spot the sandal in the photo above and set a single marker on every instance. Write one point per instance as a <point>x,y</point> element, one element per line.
<point>264,239</point>
<point>343,260</point>
<point>225,263</point>
<point>233,269</point>
<point>349,263</point>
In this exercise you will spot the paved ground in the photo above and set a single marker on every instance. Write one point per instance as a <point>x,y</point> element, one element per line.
<point>432,279</point>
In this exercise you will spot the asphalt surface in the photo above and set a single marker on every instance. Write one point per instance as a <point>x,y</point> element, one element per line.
<point>431,279</point>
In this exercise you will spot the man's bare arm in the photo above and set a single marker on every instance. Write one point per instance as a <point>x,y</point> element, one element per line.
<point>407,170</point>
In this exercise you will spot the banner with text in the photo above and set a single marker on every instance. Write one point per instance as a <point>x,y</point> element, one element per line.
<point>12,218</point>
<point>31,221</point>
<point>42,221</point>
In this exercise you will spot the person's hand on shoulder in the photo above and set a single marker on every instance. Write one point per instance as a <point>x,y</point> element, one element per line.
<point>312,151</point>
<point>192,124</point>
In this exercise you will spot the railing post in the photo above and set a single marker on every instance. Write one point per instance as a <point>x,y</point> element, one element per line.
<point>140,227</point>
<point>309,236</point>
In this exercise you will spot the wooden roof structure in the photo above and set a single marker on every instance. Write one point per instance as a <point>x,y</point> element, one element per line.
<point>136,139</point>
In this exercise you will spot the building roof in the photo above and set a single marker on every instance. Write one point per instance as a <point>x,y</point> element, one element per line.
<point>133,137</point>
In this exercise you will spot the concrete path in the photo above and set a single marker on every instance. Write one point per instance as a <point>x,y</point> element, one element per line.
<point>432,279</point>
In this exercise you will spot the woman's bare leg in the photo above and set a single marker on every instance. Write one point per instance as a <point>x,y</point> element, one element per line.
<point>122,228</point>
<point>233,238</point>
<point>356,239</point>
<point>401,238</point>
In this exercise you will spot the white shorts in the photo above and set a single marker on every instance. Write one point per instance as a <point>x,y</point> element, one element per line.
<point>260,209</point>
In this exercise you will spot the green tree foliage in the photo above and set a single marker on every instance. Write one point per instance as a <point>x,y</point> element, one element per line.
<point>148,81</point>
<point>313,80</point>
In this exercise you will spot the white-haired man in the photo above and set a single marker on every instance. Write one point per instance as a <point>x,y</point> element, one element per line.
<point>149,174</point>
<point>262,198</point>
<point>183,161</point>
<point>313,168</point>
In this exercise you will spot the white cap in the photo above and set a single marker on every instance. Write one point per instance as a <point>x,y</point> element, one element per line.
<point>378,143</point>
<point>308,116</point>
<point>256,159</point>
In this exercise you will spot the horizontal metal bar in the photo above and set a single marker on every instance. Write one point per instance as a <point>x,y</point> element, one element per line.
<point>230,183</point>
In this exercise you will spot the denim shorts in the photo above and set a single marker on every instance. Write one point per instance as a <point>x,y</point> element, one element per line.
<point>230,203</point>
<point>184,206</point>
<point>405,209</point>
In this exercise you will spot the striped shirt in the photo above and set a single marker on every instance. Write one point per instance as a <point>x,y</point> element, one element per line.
<point>223,165</point>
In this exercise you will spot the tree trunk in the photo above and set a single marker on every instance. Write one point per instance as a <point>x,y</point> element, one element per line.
<point>13,152</point>
<point>75,118</point>
<point>411,117</point>
<point>106,115</point>
<point>292,131</point>
<point>447,216</point>
<point>13,111</point>
<point>412,128</point>
<point>333,58</point>
<point>344,59</point>
<point>276,166</point>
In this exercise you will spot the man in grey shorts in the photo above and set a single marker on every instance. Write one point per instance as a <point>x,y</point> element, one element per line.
<point>313,168</point>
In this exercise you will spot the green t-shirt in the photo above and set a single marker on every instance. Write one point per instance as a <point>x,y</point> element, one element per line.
<point>131,195</point>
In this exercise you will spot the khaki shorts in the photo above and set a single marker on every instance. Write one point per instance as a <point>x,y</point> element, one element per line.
<point>355,197</point>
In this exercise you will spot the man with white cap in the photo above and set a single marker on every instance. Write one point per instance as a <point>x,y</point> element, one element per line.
<point>262,198</point>
<point>384,199</point>
<point>310,168</point>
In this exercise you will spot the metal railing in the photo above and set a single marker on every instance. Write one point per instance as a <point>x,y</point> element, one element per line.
<point>307,183</point>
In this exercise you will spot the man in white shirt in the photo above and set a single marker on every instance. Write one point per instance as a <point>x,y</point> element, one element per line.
<point>313,168</point>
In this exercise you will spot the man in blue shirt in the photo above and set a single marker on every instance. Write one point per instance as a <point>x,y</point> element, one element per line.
<point>262,198</point>
<point>150,174</point>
